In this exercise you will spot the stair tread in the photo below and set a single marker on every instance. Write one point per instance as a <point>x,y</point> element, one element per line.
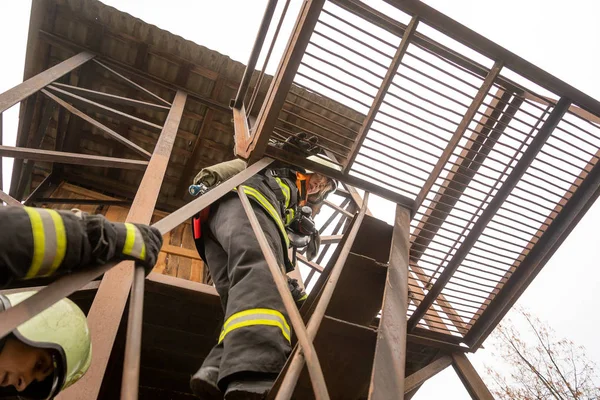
<point>374,239</point>
<point>358,295</point>
<point>370,250</point>
<point>345,351</point>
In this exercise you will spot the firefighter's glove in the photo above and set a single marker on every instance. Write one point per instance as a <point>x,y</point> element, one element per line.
<point>138,242</point>
<point>298,293</point>
<point>313,246</point>
<point>302,144</point>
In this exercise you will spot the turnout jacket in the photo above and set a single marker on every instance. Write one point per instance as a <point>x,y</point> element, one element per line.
<point>279,190</point>
<point>39,242</point>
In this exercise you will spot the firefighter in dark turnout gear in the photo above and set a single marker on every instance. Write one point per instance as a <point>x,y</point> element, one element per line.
<point>255,340</point>
<point>52,350</point>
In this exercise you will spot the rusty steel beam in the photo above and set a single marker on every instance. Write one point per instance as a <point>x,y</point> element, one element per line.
<point>458,134</point>
<point>60,200</point>
<point>470,378</point>
<point>49,183</point>
<point>282,81</point>
<point>338,208</point>
<point>150,188</point>
<point>209,116</point>
<point>295,367</point>
<point>106,311</point>
<point>111,98</point>
<point>564,222</point>
<point>9,200</point>
<point>98,125</point>
<point>416,379</point>
<point>102,109</point>
<point>39,81</point>
<point>295,159</point>
<point>493,51</point>
<point>35,143</point>
<point>68,284</point>
<point>463,171</point>
<point>133,84</point>
<point>71,158</point>
<point>1,180</point>
<point>302,332</point>
<point>255,53</point>
<point>387,378</point>
<point>383,89</point>
<point>489,212</point>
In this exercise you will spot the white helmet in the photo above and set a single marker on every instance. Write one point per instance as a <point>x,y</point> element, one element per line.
<point>61,328</point>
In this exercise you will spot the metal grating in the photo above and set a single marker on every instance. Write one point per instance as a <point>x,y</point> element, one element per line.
<point>448,133</point>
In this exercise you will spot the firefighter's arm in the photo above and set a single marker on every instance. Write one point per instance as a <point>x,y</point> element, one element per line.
<point>218,173</point>
<point>37,242</point>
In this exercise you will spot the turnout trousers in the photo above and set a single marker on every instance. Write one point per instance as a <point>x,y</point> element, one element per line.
<point>256,332</point>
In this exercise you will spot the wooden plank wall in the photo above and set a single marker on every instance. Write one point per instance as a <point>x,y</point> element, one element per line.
<point>178,257</point>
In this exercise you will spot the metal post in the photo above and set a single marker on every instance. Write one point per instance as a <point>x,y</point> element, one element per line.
<point>314,367</point>
<point>415,380</point>
<point>282,81</point>
<point>387,379</point>
<point>106,312</point>
<point>470,378</point>
<point>141,211</point>
<point>258,43</point>
<point>293,373</point>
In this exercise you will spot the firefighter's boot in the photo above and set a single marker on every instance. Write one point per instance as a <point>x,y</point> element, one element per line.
<point>204,384</point>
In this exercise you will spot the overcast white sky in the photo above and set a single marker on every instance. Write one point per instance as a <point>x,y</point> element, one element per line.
<point>563,40</point>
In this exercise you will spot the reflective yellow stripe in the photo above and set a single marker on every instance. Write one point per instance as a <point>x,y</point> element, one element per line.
<point>39,242</point>
<point>61,241</point>
<point>134,243</point>
<point>286,191</point>
<point>269,208</point>
<point>254,317</point>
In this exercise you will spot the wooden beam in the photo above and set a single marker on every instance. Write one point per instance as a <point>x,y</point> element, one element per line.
<point>415,380</point>
<point>102,109</point>
<point>106,311</point>
<point>282,80</point>
<point>98,125</point>
<point>382,92</point>
<point>111,98</point>
<point>458,134</point>
<point>470,378</point>
<point>387,379</point>
<point>71,158</point>
<point>39,81</point>
<point>180,251</point>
